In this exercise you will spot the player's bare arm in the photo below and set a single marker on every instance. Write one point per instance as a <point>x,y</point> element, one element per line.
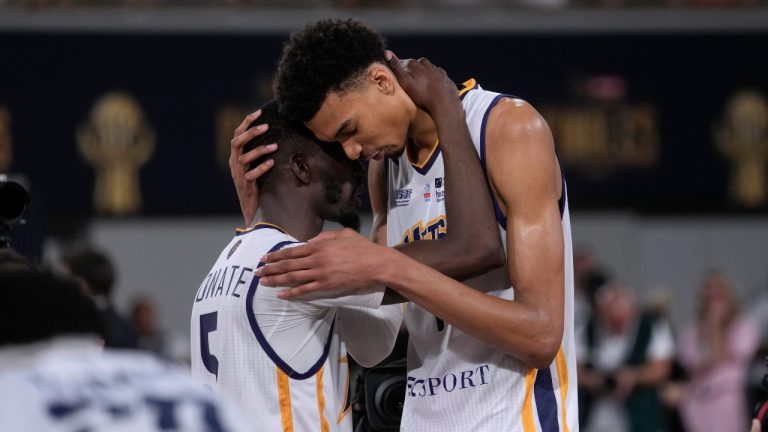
<point>525,176</point>
<point>471,245</point>
<point>245,180</point>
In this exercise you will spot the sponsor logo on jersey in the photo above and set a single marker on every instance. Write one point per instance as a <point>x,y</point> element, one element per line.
<point>403,197</point>
<point>438,182</point>
<point>432,230</point>
<point>427,193</point>
<point>448,383</point>
<point>234,248</point>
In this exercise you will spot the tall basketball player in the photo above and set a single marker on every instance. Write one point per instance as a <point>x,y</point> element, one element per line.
<point>496,353</point>
<point>285,361</point>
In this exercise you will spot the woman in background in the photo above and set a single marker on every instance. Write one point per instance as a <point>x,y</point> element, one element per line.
<point>716,351</point>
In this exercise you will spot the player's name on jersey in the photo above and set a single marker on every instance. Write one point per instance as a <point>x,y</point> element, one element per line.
<point>224,281</point>
<point>423,387</point>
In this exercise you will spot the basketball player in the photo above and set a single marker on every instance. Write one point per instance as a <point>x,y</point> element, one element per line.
<point>55,375</point>
<point>285,361</point>
<point>502,359</point>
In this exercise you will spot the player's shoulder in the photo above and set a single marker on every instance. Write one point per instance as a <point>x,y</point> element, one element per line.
<point>515,114</point>
<point>490,108</point>
<point>518,135</point>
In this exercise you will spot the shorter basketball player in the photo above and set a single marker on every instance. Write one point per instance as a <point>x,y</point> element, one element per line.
<point>285,361</point>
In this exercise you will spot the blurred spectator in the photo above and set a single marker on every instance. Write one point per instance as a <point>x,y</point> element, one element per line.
<point>587,274</point>
<point>96,274</point>
<point>758,313</point>
<point>716,350</point>
<point>587,277</point>
<point>55,376</point>
<point>624,354</point>
<point>153,338</point>
<point>149,337</point>
<point>670,391</point>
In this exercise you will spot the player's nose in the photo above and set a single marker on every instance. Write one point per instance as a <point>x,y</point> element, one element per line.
<point>352,149</point>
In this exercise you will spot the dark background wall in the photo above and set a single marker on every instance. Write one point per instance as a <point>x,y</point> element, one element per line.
<point>49,83</point>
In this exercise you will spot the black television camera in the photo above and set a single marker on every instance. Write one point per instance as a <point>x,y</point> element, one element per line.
<point>384,390</point>
<point>14,201</point>
<point>378,393</point>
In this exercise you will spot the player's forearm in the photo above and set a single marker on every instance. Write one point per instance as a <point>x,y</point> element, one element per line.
<point>455,257</point>
<point>473,231</point>
<point>471,245</point>
<point>525,330</point>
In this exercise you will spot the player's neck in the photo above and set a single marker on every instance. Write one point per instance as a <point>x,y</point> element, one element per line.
<point>423,135</point>
<point>291,212</point>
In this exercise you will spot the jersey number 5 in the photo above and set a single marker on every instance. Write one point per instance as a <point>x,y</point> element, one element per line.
<point>208,325</point>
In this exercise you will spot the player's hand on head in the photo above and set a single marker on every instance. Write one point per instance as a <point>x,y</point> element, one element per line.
<point>428,85</point>
<point>333,264</point>
<point>245,180</point>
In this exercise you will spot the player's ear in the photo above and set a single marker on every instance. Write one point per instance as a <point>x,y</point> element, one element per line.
<point>382,78</point>
<point>300,168</point>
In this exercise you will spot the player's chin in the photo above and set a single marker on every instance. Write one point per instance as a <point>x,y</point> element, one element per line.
<point>353,192</point>
<point>349,219</point>
<point>352,203</point>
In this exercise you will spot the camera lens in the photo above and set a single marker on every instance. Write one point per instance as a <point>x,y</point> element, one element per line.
<point>13,202</point>
<point>389,398</point>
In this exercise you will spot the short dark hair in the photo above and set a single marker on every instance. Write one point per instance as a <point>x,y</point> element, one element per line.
<point>38,305</point>
<point>291,137</point>
<point>327,55</point>
<point>92,266</point>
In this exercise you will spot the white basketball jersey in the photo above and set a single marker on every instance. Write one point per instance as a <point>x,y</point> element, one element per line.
<point>233,320</point>
<point>456,382</point>
<point>72,384</point>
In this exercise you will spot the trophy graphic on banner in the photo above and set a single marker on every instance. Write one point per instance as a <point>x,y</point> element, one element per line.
<point>116,140</point>
<point>742,137</point>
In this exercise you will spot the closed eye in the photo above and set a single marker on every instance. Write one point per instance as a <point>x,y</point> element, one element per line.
<point>349,133</point>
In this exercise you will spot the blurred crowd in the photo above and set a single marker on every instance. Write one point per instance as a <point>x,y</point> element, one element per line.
<point>139,328</point>
<point>56,374</point>
<point>400,4</point>
<point>638,373</point>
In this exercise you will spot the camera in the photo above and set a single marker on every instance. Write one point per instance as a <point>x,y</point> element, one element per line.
<point>384,388</point>
<point>14,201</point>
